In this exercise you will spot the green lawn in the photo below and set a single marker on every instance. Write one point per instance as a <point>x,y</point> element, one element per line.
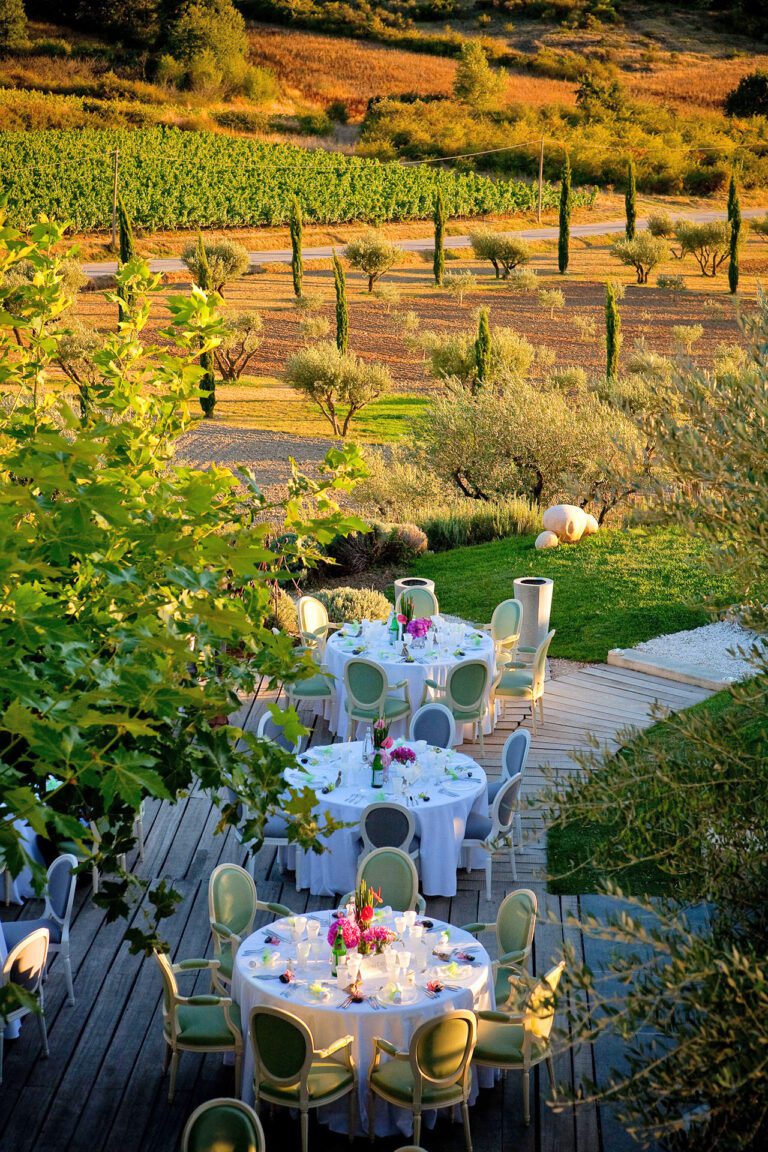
<point>612,590</point>
<point>571,848</point>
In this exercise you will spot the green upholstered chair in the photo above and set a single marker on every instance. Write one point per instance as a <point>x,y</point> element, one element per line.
<point>223,1125</point>
<point>423,600</point>
<point>24,966</point>
<point>435,1072</point>
<point>232,908</point>
<point>394,872</point>
<point>514,926</point>
<point>504,628</point>
<point>464,694</point>
<point>59,898</point>
<point>196,1023</point>
<point>290,1071</point>
<point>369,695</point>
<point>314,624</point>
<point>495,832</point>
<point>517,681</point>
<point>269,729</point>
<point>312,689</point>
<point>518,1042</point>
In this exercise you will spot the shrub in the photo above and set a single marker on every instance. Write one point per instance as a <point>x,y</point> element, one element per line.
<point>523,281</point>
<point>570,379</point>
<point>226,260</point>
<point>642,253</point>
<point>760,226</point>
<point>476,522</point>
<point>406,542</point>
<point>282,612</point>
<point>208,37</point>
<point>398,485</point>
<point>749,97</point>
<point>345,605</point>
<point>684,336</point>
<point>240,342</point>
<point>389,295</point>
<point>661,224</point>
<point>551,299</point>
<point>503,252</point>
<point>452,355</point>
<point>459,283</point>
<point>671,283</point>
<point>13,25</point>
<point>339,383</point>
<point>315,327</point>
<point>381,544</point>
<point>586,327</point>
<point>374,255</point>
<point>476,83</point>
<point>260,85</point>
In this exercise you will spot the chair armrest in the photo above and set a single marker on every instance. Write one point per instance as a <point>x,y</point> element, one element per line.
<point>390,1049</point>
<point>275,909</point>
<point>195,965</point>
<point>346,899</point>
<point>421,904</point>
<point>221,930</point>
<point>501,1017</point>
<point>342,1042</point>
<point>476,927</point>
<point>517,957</point>
<point>433,684</point>
<point>209,1001</point>
<point>400,684</point>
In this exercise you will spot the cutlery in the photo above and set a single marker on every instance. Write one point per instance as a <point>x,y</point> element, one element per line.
<point>346,1003</point>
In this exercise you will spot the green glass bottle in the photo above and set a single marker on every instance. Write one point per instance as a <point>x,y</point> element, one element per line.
<point>338,952</point>
<point>377,771</point>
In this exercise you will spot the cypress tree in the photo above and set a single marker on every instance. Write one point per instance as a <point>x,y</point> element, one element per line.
<point>13,25</point>
<point>439,257</point>
<point>127,253</point>
<point>630,200</point>
<point>734,217</point>
<point>612,332</point>
<point>297,227</point>
<point>342,311</point>
<point>564,239</point>
<point>208,381</point>
<point>483,348</point>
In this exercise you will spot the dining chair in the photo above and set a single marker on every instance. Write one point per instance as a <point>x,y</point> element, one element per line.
<point>291,1072</point>
<point>465,693</point>
<point>393,872</point>
<point>514,755</point>
<point>268,729</point>
<point>209,1023</point>
<point>518,1042</point>
<point>312,689</point>
<point>505,627</point>
<point>517,681</point>
<point>57,913</point>
<point>423,601</point>
<point>24,966</point>
<point>388,825</point>
<point>223,1125</point>
<point>369,695</point>
<point>493,833</point>
<point>514,926</point>
<point>434,723</point>
<point>434,1073</point>
<point>232,908</point>
<point>314,625</point>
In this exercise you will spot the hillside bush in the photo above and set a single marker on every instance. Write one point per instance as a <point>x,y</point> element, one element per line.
<point>227,260</point>
<point>471,522</point>
<point>346,605</point>
<point>382,544</point>
<point>749,97</point>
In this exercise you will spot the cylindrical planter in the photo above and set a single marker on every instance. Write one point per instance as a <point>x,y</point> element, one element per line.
<point>406,583</point>
<point>535,595</point>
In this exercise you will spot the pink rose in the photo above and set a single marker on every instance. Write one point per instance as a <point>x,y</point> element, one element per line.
<point>388,742</point>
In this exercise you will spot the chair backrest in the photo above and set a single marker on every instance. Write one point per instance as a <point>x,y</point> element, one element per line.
<point>515,752</point>
<point>435,724</point>
<point>516,921</point>
<point>507,620</point>
<point>387,826</point>
<point>282,1046</point>
<point>223,1125</point>
<point>505,805</point>
<point>312,616</point>
<point>542,1003</point>
<point>270,730</point>
<point>60,890</point>
<point>366,684</point>
<point>440,1050</point>
<point>24,965</point>
<point>467,684</point>
<point>540,663</point>
<point>170,987</point>
<point>423,600</point>
<point>232,898</point>
<point>394,872</point>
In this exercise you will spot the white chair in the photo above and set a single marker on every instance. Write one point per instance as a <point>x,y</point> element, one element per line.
<point>59,898</point>
<point>24,966</point>
<point>513,760</point>
<point>388,826</point>
<point>423,600</point>
<point>517,681</point>
<point>268,729</point>
<point>505,627</point>
<point>314,625</point>
<point>435,724</point>
<point>493,833</point>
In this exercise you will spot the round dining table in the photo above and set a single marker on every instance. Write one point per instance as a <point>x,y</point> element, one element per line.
<point>441,789</point>
<point>391,1007</point>
<point>401,662</point>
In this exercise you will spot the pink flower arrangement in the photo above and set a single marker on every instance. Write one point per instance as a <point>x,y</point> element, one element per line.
<point>404,755</point>
<point>419,627</point>
<point>376,939</point>
<point>381,736</point>
<point>350,933</point>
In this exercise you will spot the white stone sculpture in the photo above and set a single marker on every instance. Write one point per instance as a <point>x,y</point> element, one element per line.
<point>566,521</point>
<point>591,526</point>
<point>547,540</point>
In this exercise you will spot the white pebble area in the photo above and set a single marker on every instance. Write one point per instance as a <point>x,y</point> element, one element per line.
<point>712,649</point>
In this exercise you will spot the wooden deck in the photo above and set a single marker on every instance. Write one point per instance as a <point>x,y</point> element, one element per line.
<point>101,1090</point>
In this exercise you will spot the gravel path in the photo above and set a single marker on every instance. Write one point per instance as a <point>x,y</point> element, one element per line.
<point>268,452</point>
<point>708,648</point>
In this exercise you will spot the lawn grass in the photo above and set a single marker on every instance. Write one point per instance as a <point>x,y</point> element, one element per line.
<point>571,848</point>
<point>611,590</point>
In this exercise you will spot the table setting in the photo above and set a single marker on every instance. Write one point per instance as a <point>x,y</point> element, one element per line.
<point>426,652</point>
<point>440,786</point>
<point>366,971</point>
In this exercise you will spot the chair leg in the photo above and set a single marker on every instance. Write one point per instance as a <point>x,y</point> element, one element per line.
<point>371,1116</point>
<point>8,882</point>
<point>512,861</point>
<point>482,738</point>
<point>416,1128</point>
<point>488,876</point>
<point>533,716</point>
<point>541,708</point>
<point>519,825</point>
<point>351,1114</point>
<point>43,1028</point>
<point>551,1071</point>
<point>166,1057</point>
<point>95,879</point>
<point>238,1072</point>
<point>527,1097</point>
<point>68,975</point>
<point>467,1132</point>
<point>140,835</point>
<point>305,1132</point>
<point>174,1070</point>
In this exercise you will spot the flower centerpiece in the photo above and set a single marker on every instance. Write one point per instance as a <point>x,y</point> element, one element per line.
<point>382,742</point>
<point>403,755</point>
<point>418,629</point>
<point>376,939</point>
<point>366,899</point>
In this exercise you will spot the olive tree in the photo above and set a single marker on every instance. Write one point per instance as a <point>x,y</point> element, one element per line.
<point>227,260</point>
<point>374,255</point>
<point>642,253</point>
<point>240,341</point>
<point>339,383</point>
<point>709,244</point>
<point>453,355</point>
<point>504,252</point>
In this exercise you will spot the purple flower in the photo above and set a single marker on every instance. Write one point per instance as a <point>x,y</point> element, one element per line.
<point>404,755</point>
<point>419,627</point>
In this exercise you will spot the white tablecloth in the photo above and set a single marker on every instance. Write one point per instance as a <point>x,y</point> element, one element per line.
<point>440,820</point>
<point>328,1021</point>
<point>429,664</point>
<point>21,885</point>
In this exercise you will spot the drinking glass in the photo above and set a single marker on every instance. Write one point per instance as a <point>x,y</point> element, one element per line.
<point>313,929</point>
<point>391,962</point>
<point>342,972</point>
<point>299,926</point>
<point>302,952</point>
<point>416,931</point>
<point>410,919</point>
<point>404,960</point>
<point>400,924</point>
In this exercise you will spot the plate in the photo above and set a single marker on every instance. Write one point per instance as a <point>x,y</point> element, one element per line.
<point>451,973</point>
<point>408,995</point>
<point>329,998</point>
